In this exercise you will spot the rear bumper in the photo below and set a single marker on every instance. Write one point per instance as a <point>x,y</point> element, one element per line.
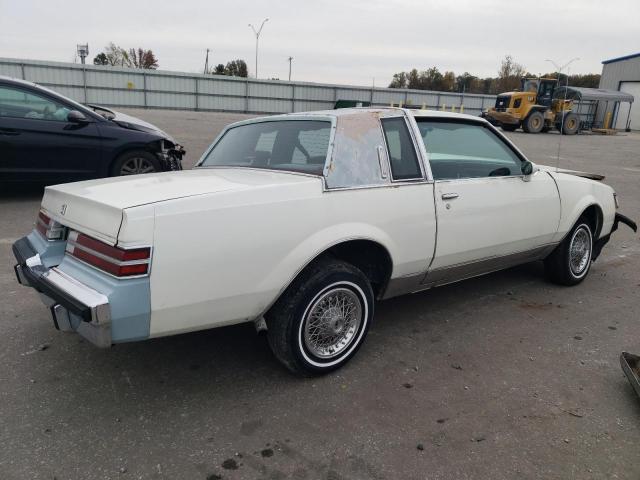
<point>74,306</point>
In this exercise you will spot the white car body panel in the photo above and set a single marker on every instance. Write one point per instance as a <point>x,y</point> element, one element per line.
<point>516,216</point>
<point>577,194</point>
<point>277,231</point>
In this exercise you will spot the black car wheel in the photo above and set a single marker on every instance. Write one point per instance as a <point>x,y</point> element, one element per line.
<point>321,320</point>
<point>135,163</point>
<point>570,262</point>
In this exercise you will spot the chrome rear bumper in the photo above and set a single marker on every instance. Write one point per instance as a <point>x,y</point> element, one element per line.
<point>74,306</point>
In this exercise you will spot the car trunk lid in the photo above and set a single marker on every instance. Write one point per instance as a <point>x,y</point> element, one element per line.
<point>95,207</point>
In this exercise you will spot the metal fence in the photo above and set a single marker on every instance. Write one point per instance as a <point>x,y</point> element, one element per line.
<point>127,87</point>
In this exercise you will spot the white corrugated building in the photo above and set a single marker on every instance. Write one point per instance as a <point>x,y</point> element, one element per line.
<point>623,74</point>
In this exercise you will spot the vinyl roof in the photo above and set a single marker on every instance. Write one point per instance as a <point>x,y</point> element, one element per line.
<point>582,93</point>
<point>620,59</point>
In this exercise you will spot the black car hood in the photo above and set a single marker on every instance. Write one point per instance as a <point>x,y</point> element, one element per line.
<point>130,122</point>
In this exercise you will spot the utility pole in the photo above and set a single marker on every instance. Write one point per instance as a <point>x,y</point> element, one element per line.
<point>290,59</point>
<point>206,63</point>
<point>257,34</point>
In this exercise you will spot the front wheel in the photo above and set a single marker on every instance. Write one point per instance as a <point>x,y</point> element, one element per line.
<point>135,163</point>
<point>321,320</point>
<point>509,127</point>
<point>570,262</point>
<point>533,123</point>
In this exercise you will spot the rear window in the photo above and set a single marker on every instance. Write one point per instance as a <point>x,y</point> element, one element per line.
<point>290,145</point>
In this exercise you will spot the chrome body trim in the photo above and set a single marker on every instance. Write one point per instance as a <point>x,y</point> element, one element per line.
<point>455,273</point>
<point>382,162</point>
<point>402,285</point>
<point>96,301</point>
<point>422,176</point>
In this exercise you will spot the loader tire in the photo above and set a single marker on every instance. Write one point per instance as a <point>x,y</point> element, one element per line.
<point>533,123</point>
<point>571,124</point>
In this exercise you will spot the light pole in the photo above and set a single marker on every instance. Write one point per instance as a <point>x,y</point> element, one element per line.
<point>566,87</point>
<point>290,59</point>
<point>257,33</point>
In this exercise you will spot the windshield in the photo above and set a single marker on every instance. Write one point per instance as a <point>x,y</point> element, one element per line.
<point>291,145</point>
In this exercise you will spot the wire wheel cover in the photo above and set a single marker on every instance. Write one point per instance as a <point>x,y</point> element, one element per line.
<point>332,322</point>
<point>580,251</point>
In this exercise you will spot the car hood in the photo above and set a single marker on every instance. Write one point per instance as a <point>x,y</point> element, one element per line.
<point>131,122</point>
<point>96,206</point>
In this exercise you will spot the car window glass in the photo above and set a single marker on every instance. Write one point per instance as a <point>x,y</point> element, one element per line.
<point>463,150</point>
<point>402,154</point>
<point>19,103</point>
<point>294,145</point>
<point>311,143</point>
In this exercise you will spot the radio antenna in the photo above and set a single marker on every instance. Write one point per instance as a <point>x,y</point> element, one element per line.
<point>559,69</point>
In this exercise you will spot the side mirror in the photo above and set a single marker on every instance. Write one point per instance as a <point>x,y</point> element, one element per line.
<point>529,169</point>
<point>74,116</point>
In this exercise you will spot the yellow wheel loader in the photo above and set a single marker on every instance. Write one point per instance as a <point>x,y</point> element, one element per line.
<point>534,108</point>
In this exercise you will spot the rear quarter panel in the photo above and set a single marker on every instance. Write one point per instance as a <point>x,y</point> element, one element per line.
<point>223,259</point>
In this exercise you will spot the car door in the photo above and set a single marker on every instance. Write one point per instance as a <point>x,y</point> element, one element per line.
<point>489,214</point>
<point>38,143</point>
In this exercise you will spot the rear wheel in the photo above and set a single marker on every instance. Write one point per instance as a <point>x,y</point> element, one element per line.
<point>570,262</point>
<point>134,163</point>
<point>321,320</point>
<point>571,124</point>
<point>533,123</point>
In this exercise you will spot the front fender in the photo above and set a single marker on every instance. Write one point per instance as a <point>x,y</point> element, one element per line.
<point>576,195</point>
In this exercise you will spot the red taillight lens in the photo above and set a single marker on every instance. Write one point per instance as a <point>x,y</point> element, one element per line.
<point>50,229</point>
<point>113,260</point>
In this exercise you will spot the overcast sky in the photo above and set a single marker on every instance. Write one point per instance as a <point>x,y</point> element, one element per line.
<point>335,41</point>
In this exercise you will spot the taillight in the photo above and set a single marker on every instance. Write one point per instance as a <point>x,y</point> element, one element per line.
<point>50,229</point>
<point>113,260</point>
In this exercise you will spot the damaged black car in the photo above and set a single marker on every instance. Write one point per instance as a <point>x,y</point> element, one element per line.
<point>46,137</point>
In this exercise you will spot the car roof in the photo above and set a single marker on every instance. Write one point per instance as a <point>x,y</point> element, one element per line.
<point>18,81</point>
<point>383,111</point>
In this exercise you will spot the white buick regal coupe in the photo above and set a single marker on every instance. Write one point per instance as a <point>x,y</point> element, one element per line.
<point>300,222</point>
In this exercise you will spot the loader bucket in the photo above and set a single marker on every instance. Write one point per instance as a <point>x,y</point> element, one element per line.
<point>631,367</point>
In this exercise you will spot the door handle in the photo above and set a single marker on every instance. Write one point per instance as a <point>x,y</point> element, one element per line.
<point>9,131</point>
<point>449,196</point>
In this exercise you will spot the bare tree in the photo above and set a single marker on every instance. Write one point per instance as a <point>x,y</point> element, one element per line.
<point>141,58</point>
<point>117,56</point>
<point>509,74</point>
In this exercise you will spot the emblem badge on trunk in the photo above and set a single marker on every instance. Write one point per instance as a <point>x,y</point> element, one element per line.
<point>63,209</point>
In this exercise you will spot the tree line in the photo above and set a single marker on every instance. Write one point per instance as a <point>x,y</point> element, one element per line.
<point>508,79</point>
<point>117,56</point>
